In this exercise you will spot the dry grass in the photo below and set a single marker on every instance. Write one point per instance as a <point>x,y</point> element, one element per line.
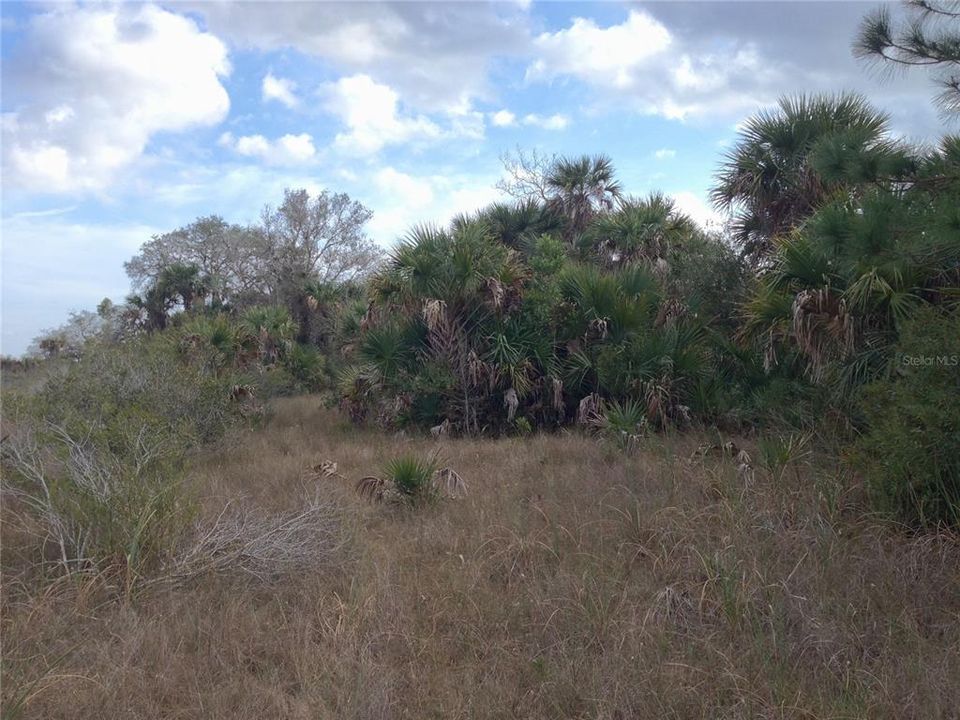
<point>573,581</point>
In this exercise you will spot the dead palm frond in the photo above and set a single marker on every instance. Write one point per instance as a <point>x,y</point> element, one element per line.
<point>449,483</point>
<point>371,488</point>
<point>413,480</point>
<point>324,470</point>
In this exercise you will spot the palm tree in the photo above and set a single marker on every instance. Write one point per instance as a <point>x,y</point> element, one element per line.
<point>580,188</point>
<point>768,178</point>
<point>184,282</point>
<point>518,224</point>
<point>640,229</point>
<point>271,328</point>
<point>837,290</point>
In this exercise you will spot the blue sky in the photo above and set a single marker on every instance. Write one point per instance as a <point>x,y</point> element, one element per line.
<point>122,121</point>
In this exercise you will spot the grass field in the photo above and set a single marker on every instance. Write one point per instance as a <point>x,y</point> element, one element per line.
<point>573,581</point>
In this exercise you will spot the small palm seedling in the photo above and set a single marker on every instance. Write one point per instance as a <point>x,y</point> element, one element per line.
<point>777,453</point>
<point>414,481</point>
<point>625,422</point>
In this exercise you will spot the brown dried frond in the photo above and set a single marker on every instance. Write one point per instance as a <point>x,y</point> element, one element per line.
<point>510,401</point>
<point>242,392</point>
<point>476,368</point>
<point>371,488</point>
<point>557,394</point>
<point>369,317</point>
<point>324,470</point>
<point>389,410</point>
<point>658,399</point>
<point>589,410</point>
<point>823,327</point>
<point>433,313</point>
<point>442,429</point>
<point>448,482</point>
<point>497,292</point>
<point>744,467</point>
<point>669,312</point>
<point>600,327</point>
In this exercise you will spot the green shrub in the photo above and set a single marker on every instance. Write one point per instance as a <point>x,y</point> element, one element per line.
<point>779,452</point>
<point>96,453</point>
<point>412,478</point>
<point>624,422</point>
<point>108,506</point>
<point>307,366</point>
<point>144,382</point>
<point>522,426</point>
<point>909,454</point>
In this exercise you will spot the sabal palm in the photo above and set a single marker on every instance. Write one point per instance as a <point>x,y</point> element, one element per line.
<point>640,229</point>
<point>517,224</point>
<point>768,177</point>
<point>455,267</point>
<point>271,329</point>
<point>838,289</point>
<point>184,282</point>
<point>580,188</point>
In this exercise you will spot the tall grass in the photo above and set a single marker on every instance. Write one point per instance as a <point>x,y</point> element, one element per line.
<point>573,581</point>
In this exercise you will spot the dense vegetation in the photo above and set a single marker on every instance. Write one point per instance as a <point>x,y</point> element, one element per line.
<point>698,472</point>
<point>827,306</point>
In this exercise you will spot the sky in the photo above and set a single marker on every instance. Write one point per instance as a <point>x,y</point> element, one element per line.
<point>121,121</point>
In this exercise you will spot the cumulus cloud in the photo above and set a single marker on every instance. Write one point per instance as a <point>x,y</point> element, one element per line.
<point>280,89</point>
<point>403,200</point>
<point>412,192</point>
<point>371,113</point>
<point>608,56</point>
<point>640,60</point>
<point>503,118</point>
<point>285,150</point>
<point>665,154</point>
<point>436,55</point>
<point>93,84</point>
<point>698,208</point>
<point>552,122</point>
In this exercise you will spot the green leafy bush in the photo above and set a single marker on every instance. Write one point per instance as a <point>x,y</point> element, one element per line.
<point>624,422</point>
<point>307,366</point>
<point>909,454</point>
<point>97,452</point>
<point>109,506</point>
<point>412,478</point>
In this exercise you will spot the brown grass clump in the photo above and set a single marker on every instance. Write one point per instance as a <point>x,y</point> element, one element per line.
<point>574,581</point>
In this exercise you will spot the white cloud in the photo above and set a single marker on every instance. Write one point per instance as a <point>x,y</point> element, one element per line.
<point>280,89</point>
<point>285,150</point>
<point>93,84</point>
<point>372,116</point>
<point>465,122</point>
<point>414,193</point>
<point>503,118</point>
<point>403,200</point>
<point>640,61</point>
<point>665,154</point>
<point>436,55</point>
<point>698,208</point>
<point>553,122</point>
<point>608,56</point>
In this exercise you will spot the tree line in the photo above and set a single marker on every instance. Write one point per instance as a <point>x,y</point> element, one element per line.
<point>573,303</point>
